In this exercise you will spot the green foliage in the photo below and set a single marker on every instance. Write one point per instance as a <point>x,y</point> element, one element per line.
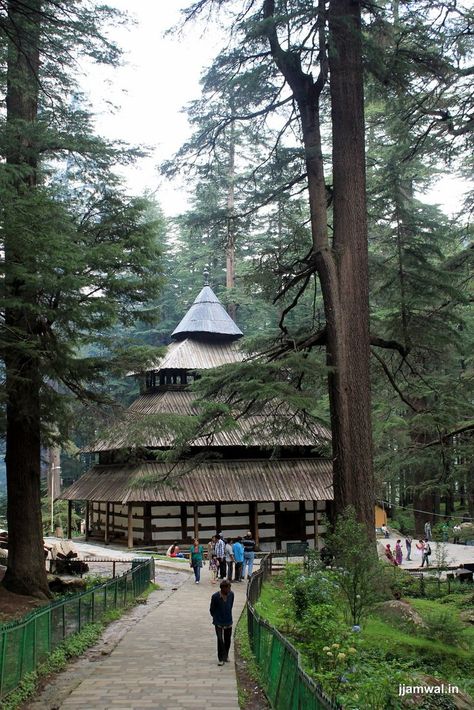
<point>95,580</point>
<point>364,669</point>
<point>402,520</point>
<point>60,510</point>
<point>358,572</point>
<point>444,626</point>
<point>56,662</point>
<point>307,590</point>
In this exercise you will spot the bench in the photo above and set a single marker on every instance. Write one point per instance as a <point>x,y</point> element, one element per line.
<point>296,549</point>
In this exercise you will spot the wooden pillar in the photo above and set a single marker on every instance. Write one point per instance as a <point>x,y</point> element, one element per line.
<point>316,534</point>
<point>130,527</point>
<point>184,522</point>
<point>107,523</point>
<point>196,520</point>
<point>303,533</point>
<point>69,519</point>
<point>254,522</point>
<point>276,511</point>
<point>218,518</point>
<point>147,531</point>
<point>88,515</point>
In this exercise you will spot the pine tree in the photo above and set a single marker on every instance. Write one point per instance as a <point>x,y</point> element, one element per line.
<point>75,262</point>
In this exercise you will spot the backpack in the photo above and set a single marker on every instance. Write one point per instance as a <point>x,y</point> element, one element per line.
<point>428,550</point>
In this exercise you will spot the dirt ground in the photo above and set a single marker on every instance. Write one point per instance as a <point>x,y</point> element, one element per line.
<point>14,606</point>
<point>255,698</point>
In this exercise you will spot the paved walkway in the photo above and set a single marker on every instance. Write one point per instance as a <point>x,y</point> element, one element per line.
<point>167,661</point>
<point>455,554</point>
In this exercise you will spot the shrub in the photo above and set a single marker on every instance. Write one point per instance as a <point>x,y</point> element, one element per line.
<point>360,576</point>
<point>322,628</point>
<point>375,685</point>
<point>445,627</point>
<point>309,590</point>
<point>403,521</point>
<point>313,563</point>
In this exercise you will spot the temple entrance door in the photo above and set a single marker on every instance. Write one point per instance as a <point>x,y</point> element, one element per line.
<point>289,525</point>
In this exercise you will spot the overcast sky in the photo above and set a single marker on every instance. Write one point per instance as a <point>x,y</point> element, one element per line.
<point>160,77</point>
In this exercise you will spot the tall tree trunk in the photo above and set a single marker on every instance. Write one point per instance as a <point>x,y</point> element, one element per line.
<point>26,573</point>
<point>342,267</point>
<point>348,343</point>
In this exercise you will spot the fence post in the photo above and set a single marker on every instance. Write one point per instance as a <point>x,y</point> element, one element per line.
<point>2,666</point>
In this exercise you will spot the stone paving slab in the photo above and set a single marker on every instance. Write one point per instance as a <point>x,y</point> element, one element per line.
<point>167,661</point>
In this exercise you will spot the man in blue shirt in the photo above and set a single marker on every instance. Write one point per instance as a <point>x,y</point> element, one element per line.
<point>221,612</point>
<point>249,554</point>
<point>238,549</point>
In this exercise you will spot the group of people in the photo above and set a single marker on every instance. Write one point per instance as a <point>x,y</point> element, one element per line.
<point>230,558</point>
<point>395,557</point>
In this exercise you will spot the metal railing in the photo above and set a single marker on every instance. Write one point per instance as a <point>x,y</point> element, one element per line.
<point>286,684</point>
<point>26,643</point>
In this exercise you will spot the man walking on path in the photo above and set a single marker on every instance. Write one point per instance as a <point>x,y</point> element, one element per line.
<point>249,554</point>
<point>229,558</point>
<point>221,612</point>
<point>219,552</point>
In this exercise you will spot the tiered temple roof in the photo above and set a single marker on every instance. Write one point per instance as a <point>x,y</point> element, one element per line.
<point>206,338</point>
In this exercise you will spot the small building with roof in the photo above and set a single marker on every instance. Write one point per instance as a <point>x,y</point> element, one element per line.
<point>252,476</point>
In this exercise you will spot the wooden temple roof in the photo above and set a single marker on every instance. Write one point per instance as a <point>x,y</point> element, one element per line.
<point>257,480</point>
<point>268,429</point>
<point>195,354</point>
<point>207,316</point>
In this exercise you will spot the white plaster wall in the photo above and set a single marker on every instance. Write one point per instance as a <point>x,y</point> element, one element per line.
<point>289,505</point>
<point>167,522</point>
<point>269,532</point>
<point>165,510</point>
<point>265,507</point>
<point>232,507</point>
<point>237,522</point>
<point>168,535</point>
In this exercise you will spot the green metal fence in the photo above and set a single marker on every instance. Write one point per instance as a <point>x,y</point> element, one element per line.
<point>286,684</point>
<point>24,644</point>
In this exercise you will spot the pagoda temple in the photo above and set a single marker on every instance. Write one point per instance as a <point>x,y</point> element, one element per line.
<point>273,483</point>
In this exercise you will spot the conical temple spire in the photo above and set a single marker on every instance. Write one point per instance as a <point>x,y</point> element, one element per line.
<point>208,317</point>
